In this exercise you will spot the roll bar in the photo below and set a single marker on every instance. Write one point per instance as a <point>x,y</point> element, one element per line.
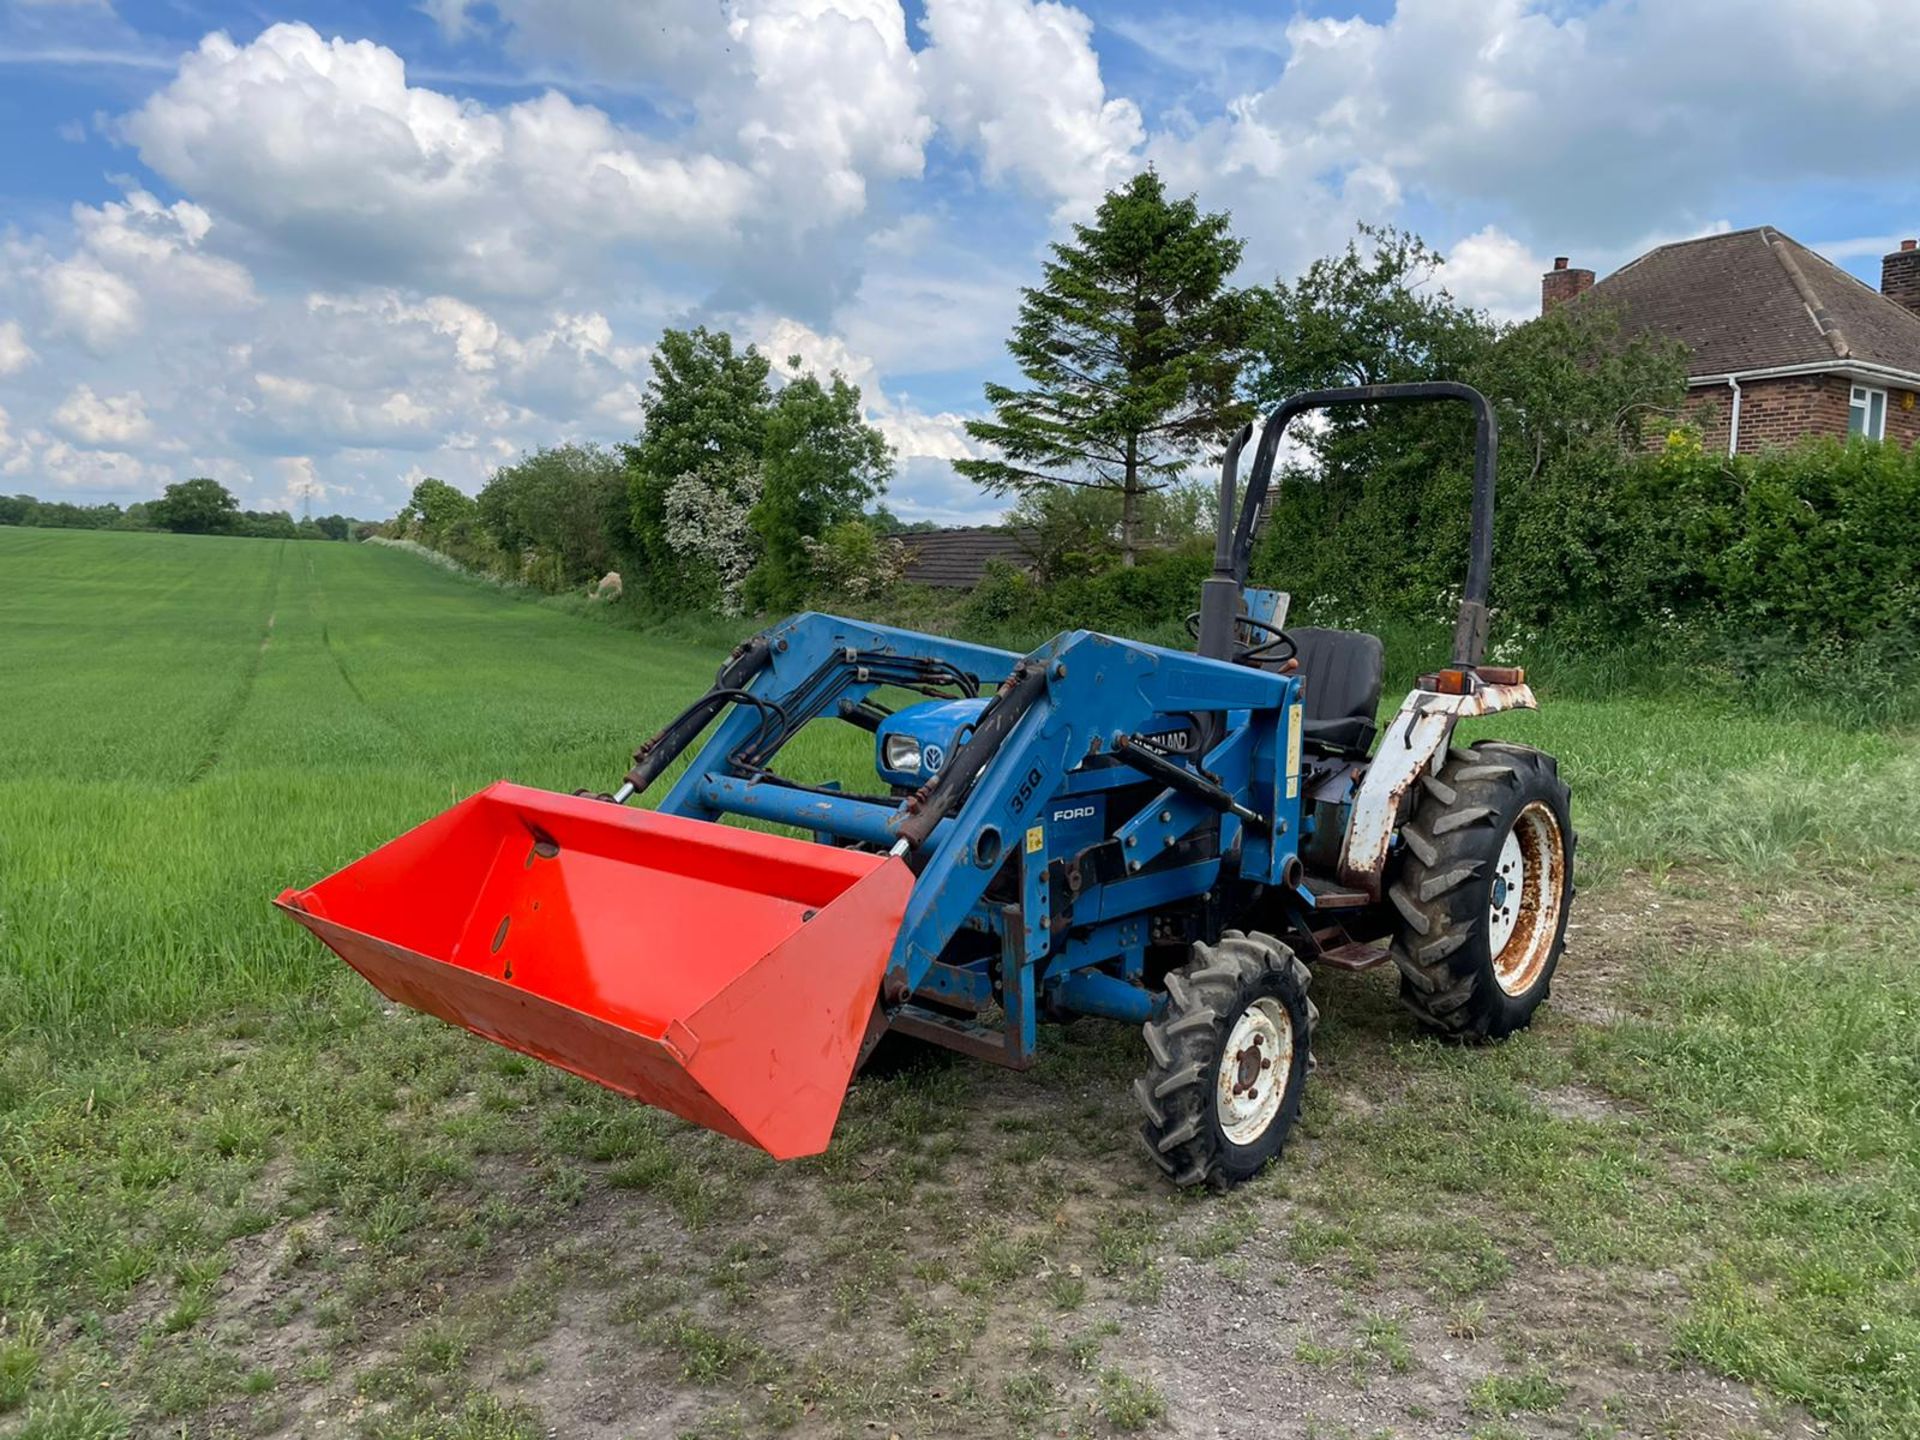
<point>1233,545</point>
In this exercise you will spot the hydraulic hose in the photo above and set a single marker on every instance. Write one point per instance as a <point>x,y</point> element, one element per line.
<point>935,800</point>
<point>655,755</point>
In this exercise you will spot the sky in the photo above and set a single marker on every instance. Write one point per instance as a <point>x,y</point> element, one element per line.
<point>321,249</point>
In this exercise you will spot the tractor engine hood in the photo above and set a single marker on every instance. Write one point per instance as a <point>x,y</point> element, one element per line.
<point>911,745</point>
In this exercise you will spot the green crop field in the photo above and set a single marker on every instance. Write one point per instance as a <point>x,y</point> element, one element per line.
<point>193,724</point>
<point>239,1196</point>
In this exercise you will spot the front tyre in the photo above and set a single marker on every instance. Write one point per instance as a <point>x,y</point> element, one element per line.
<point>1230,1061</point>
<point>1484,891</point>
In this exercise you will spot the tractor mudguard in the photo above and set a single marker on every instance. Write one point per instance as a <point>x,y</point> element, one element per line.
<point>721,974</point>
<point>1416,740</point>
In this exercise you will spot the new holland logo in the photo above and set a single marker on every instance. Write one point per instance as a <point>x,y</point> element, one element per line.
<point>1177,740</point>
<point>933,757</point>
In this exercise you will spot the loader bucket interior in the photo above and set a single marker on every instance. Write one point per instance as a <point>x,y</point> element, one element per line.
<point>722,974</point>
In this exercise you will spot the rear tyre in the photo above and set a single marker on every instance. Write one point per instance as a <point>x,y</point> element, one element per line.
<point>1483,891</point>
<point>1230,1060</point>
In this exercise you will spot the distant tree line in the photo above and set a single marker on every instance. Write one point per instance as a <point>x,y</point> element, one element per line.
<point>198,506</point>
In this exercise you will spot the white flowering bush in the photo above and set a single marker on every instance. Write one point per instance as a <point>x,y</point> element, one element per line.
<point>855,561</point>
<point>708,515</point>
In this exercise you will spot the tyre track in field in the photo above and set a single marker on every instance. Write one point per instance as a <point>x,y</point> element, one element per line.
<point>229,715</point>
<point>321,607</point>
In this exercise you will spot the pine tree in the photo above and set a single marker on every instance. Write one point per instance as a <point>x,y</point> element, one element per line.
<point>1132,349</point>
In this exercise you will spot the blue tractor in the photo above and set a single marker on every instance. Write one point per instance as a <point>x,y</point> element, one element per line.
<point>1101,827</point>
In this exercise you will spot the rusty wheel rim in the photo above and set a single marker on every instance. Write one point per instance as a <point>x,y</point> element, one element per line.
<point>1524,900</point>
<point>1256,1066</point>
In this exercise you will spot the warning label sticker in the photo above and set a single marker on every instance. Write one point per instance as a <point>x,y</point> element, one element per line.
<point>1294,718</point>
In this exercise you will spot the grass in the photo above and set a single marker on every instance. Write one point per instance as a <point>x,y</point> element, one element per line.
<point>232,1185</point>
<point>1531,1393</point>
<point>209,721</point>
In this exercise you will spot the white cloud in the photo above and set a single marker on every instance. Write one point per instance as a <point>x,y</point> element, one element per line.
<point>816,99</point>
<point>14,456</point>
<point>785,339</point>
<point>15,353</point>
<point>365,372</point>
<point>300,485</point>
<point>451,16</point>
<point>925,445</point>
<point>917,435</point>
<point>293,409</point>
<point>90,303</point>
<point>1495,272</point>
<point>927,489</point>
<point>1594,124</point>
<point>103,419</point>
<point>1019,82</point>
<point>322,147</point>
<point>159,246</point>
<point>832,97</point>
<point>822,97</point>
<point>664,43</point>
<point>932,301</point>
<point>70,467</point>
<point>131,256</point>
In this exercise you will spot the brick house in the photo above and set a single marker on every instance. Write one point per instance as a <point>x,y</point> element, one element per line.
<point>1783,343</point>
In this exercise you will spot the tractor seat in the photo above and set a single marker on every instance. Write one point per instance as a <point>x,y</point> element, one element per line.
<point>1344,671</point>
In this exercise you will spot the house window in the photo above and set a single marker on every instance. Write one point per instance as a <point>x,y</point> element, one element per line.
<point>1867,413</point>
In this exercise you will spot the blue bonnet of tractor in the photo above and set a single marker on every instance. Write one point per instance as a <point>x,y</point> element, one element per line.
<point>912,744</point>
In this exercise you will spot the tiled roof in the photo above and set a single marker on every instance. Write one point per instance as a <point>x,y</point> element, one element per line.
<point>957,559</point>
<point>1756,299</point>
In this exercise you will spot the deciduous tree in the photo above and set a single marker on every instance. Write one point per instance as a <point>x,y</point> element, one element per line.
<point>196,507</point>
<point>559,514</point>
<point>822,463</point>
<point>706,412</point>
<point>434,509</point>
<point>710,522</point>
<point>1373,514</point>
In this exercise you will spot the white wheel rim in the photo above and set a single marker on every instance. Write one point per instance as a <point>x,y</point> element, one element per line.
<point>1255,1069</point>
<point>1525,897</point>
<point>1504,895</point>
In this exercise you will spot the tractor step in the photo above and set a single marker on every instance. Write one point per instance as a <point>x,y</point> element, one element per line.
<point>1329,896</point>
<point>1354,955</point>
<point>968,1037</point>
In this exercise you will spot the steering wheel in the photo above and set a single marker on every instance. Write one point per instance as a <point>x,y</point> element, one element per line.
<point>1254,654</point>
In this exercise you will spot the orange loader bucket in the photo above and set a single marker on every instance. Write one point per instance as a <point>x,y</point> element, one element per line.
<point>722,974</point>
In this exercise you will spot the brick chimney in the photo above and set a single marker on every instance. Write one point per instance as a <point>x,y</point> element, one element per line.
<point>1900,276</point>
<point>1560,284</point>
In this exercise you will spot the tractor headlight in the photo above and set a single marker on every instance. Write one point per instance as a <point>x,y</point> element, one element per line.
<point>900,752</point>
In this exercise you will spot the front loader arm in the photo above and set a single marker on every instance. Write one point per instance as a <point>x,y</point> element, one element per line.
<point>1065,721</point>
<point>733,977</point>
<point>812,664</point>
<point>1089,693</point>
